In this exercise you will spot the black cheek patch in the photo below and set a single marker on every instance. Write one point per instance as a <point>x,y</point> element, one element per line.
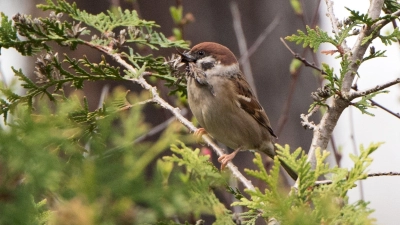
<point>207,65</point>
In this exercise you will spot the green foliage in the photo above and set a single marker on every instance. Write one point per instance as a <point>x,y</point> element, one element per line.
<point>364,104</point>
<point>42,157</point>
<point>374,54</point>
<point>312,38</point>
<point>389,39</point>
<point>61,161</point>
<point>348,27</point>
<point>309,203</point>
<point>200,174</point>
<point>359,18</point>
<point>103,22</point>
<point>391,6</point>
<point>51,77</point>
<point>52,74</point>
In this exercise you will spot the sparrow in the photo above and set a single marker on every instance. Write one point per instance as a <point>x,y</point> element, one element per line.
<point>224,103</point>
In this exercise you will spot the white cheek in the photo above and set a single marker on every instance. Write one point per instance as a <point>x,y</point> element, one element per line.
<point>221,70</point>
<point>205,60</point>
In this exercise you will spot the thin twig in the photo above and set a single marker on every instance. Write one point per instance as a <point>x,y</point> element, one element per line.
<point>334,23</point>
<point>302,59</point>
<point>292,87</point>
<point>175,111</point>
<point>241,39</point>
<point>386,21</point>
<point>374,103</point>
<point>383,174</point>
<point>295,75</point>
<point>268,30</point>
<point>377,88</point>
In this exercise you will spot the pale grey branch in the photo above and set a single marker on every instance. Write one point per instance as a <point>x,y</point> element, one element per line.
<point>377,88</point>
<point>323,132</point>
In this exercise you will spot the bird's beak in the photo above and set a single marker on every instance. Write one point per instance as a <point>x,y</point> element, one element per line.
<point>187,57</point>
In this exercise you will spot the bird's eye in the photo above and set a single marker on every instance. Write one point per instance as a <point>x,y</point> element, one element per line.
<point>201,53</point>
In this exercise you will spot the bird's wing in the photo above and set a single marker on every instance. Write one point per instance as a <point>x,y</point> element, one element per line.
<point>248,102</point>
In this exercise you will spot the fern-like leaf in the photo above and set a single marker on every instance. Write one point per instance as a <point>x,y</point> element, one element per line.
<point>312,38</point>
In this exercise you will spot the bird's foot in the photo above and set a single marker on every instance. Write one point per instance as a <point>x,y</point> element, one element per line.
<point>225,158</point>
<point>198,133</point>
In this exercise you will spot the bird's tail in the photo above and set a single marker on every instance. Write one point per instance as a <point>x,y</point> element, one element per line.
<point>289,170</point>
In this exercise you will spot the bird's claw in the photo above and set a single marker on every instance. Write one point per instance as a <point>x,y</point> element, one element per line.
<point>224,160</point>
<point>198,133</point>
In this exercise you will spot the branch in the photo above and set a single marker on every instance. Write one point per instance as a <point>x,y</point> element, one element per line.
<point>384,22</point>
<point>360,48</point>
<point>377,88</point>
<point>307,63</point>
<point>245,56</point>
<point>334,22</point>
<point>237,25</point>
<point>307,124</point>
<point>322,182</point>
<point>175,111</point>
<point>302,59</point>
<point>374,103</point>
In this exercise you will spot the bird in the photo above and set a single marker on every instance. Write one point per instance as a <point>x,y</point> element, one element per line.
<point>224,104</point>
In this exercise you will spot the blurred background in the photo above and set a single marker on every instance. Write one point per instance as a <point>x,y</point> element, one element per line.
<point>252,30</point>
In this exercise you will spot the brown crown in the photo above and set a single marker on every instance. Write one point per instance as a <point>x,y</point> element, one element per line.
<point>220,52</point>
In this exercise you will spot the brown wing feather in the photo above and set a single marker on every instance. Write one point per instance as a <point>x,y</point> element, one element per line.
<point>250,104</point>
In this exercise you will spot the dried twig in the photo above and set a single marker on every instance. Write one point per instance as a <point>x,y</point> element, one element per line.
<point>306,123</point>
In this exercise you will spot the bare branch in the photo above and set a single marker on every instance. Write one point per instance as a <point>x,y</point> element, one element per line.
<point>175,111</point>
<point>322,182</point>
<point>237,25</point>
<point>245,56</point>
<point>334,22</point>
<point>377,88</point>
<point>374,103</point>
<point>302,59</point>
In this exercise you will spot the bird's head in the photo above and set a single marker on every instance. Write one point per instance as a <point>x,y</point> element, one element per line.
<point>212,58</point>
